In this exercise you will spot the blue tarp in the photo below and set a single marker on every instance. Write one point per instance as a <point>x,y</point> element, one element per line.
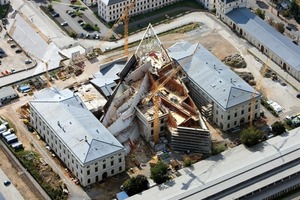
<point>122,195</point>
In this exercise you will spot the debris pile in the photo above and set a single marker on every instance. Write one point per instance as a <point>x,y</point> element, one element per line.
<point>235,61</point>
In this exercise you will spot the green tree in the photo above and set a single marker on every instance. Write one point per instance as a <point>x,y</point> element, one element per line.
<point>260,13</point>
<point>159,172</point>
<point>294,8</point>
<point>216,149</point>
<point>278,128</point>
<point>251,136</point>
<point>279,27</point>
<point>135,185</point>
<point>187,162</point>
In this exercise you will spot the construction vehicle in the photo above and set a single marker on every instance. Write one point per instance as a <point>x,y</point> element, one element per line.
<point>125,20</point>
<point>258,84</point>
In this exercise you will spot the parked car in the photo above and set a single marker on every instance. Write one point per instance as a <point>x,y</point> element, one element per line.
<point>288,28</point>
<point>18,51</point>
<point>64,24</point>
<point>80,21</point>
<point>73,1</point>
<point>28,61</point>
<point>87,35</point>
<point>7,182</point>
<point>13,46</point>
<point>55,14</point>
<point>82,24</point>
<point>81,35</point>
<point>96,36</point>
<point>298,96</point>
<point>73,15</point>
<point>70,12</point>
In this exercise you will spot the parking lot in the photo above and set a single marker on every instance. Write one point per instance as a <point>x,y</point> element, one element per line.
<point>75,17</point>
<point>12,57</point>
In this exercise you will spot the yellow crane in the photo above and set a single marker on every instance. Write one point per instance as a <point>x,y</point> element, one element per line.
<point>125,19</point>
<point>156,100</point>
<point>258,84</point>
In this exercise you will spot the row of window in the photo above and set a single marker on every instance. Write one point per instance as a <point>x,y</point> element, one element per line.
<point>97,177</point>
<point>236,114</point>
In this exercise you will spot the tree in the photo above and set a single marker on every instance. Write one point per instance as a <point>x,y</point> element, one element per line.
<point>279,27</point>
<point>159,172</point>
<point>278,128</point>
<point>251,136</point>
<point>260,13</point>
<point>135,185</point>
<point>187,162</point>
<point>294,8</point>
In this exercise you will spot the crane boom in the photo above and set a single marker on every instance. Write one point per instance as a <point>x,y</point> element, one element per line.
<point>125,18</point>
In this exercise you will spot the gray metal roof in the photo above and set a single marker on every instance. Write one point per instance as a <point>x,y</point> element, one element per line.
<point>78,129</point>
<point>219,82</point>
<point>111,2</point>
<point>105,79</point>
<point>7,91</point>
<point>235,172</point>
<point>267,35</point>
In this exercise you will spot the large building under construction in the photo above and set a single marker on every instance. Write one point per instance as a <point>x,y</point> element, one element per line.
<point>151,100</point>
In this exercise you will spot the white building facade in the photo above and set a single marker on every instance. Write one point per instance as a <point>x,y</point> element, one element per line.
<point>213,86</point>
<point>111,10</point>
<point>80,141</point>
<point>280,49</point>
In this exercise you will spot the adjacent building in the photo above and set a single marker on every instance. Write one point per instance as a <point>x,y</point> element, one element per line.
<point>80,141</point>
<point>7,94</point>
<point>265,171</point>
<point>221,95</point>
<point>260,34</point>
<point>111,10</point>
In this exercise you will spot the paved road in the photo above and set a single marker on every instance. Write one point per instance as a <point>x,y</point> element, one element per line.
<point>8,192</point>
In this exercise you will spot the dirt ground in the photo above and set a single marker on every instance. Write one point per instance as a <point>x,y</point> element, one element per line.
<point>15,176</point>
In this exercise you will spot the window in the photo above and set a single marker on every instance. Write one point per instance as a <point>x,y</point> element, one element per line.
<point>112,163</point>
<point>88,172</point>
<point>151,132</point>
<point>235,114</point>
<point>152,124</point>
<point>89,181</point>
<point>120,168</point>
<point>162,121</point>
<point>228,117</point>
<point>112,171</point>
<point>96,169</point>
<point>217,112</point>
<point>221,116</point>
<point>256,106</point>
<point>120,160</point>
<point>228,125</point>
<point>104,166</point>
<point>242,112</point>
<point>235,123</point>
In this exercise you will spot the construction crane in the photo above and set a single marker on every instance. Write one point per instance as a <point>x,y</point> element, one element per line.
<point>258,84</point>
<point>156,100</point>
<point>125,19</point>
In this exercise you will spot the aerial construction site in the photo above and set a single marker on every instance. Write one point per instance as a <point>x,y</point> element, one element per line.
<point>151,100</point>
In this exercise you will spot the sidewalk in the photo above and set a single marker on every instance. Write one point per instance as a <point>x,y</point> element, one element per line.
<point>282,74</point>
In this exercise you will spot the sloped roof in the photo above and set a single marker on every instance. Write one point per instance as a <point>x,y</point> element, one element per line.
<point>77,128</point>
<point>219,82</point>
<point>111,2</point>
<point>267,35</point>
<point>7,91</point>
